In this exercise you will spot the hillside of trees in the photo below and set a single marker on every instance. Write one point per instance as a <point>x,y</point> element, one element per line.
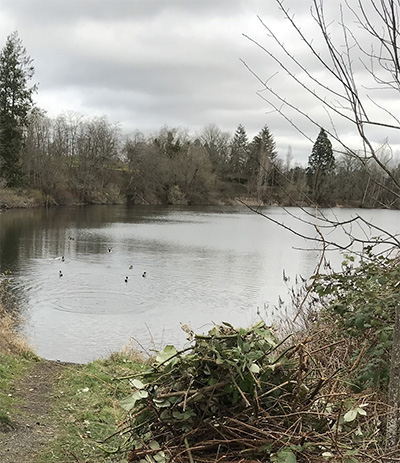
<point>77,159</point>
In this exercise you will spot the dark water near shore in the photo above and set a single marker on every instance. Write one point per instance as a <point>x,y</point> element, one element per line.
<point>203,266</point>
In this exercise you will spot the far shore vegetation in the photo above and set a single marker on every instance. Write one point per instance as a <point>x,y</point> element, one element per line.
<point>78,160</point>
<point>74,159</point>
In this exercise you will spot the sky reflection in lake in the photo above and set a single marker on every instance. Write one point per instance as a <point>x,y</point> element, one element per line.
<point>203,266</point>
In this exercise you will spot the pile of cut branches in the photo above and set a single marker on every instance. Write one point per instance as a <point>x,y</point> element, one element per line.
<point>240,395</point>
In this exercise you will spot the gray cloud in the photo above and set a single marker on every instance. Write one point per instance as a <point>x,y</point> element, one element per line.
<point>55,12</point>
<point>145,64</point>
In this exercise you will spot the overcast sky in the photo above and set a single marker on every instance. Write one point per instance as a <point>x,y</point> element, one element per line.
<point>149,63</point>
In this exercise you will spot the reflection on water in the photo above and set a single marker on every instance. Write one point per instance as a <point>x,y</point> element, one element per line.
<point>203,266</point>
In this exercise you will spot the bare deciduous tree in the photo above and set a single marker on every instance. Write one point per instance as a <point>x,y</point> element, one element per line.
<point>357,53</point>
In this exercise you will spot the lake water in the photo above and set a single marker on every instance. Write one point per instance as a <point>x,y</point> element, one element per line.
<point>203,266</point>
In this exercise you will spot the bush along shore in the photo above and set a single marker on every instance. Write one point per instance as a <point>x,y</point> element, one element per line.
<point>14,198</point>
<point>317,393</point>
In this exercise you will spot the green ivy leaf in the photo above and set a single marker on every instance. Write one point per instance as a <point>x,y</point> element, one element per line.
<point>361,411</point>
<point>284,456</point>
<point>267,335</point>
<point>160,457</point>
<point>254,368</point>
<point>137,384</point>
<point>168,352</point>
<point>351,415</point>
<point>130,402</point>
<point>162,403</point>
<point>154,445</point>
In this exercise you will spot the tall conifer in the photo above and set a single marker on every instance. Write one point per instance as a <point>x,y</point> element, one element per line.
<point>320,163</point>
<point>16,70</point>
<point>239,152</point>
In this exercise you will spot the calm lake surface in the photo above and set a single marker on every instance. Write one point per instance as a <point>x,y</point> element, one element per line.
<point>203,266</point>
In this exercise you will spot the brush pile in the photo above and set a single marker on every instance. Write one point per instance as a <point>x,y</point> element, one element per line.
<point>239,395</point>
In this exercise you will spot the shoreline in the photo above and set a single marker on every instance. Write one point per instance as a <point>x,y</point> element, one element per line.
<point>31,199</point>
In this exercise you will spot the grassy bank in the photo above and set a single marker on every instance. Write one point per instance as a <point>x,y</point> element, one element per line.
<point>12,368</point>
<point>87,411</point>
<point>55,412</point>
<point>78,414</point>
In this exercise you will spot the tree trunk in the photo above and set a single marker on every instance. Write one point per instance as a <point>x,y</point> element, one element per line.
<point>393,423</point>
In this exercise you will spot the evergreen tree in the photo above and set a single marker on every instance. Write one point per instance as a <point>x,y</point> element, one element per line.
<point>321,163</point>
<point>260,165</point>
<point>264,142</point>
<point>15,103</point>
<point>239,153</point>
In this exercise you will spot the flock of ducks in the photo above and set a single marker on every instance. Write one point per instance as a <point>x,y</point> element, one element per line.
<point>143,275</point>
<point>109,249</point>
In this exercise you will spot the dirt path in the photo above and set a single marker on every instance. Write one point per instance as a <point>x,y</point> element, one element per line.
<point>32,428</point>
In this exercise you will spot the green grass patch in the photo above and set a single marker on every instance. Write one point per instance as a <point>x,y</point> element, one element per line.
<point>87,411</point>
<point>12,368</point>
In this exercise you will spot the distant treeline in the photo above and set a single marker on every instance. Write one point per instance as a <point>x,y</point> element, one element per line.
<point>73,158</point>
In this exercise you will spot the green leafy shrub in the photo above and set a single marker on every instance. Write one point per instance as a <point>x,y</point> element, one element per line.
<point>239,393</point>
<point>364,299</point>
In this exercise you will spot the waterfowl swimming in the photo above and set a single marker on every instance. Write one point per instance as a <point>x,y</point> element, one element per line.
<point>126,279</point>
<point>109,249</point>
<point>60,274</point>
<point>130,267</point>
<point>144,274</point>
